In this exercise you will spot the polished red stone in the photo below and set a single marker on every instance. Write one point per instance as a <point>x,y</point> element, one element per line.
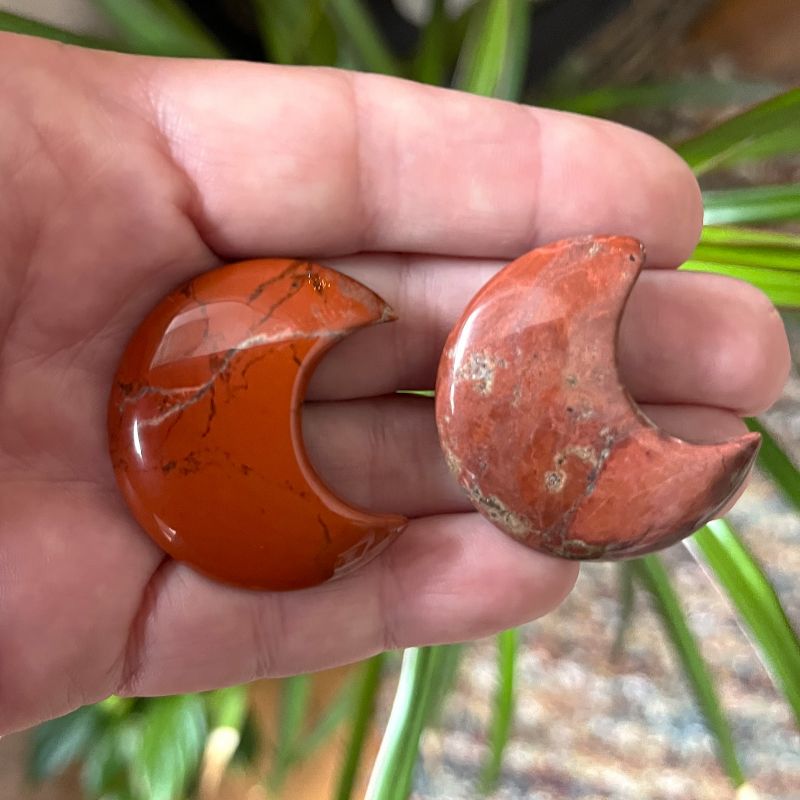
<point>538,429</point>
<point>204,425</point>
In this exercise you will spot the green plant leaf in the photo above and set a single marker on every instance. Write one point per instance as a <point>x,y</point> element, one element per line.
<point>430,62</point>
<point>718,547</point>
<point>766,130</point>
<point>355,23</point>
<point>456,35</point>
<point>503,712</point>
<point>226,708</point>
<point>747,237</point>
<point>442,679</point>
<point>294,744</point>
<point>323,47</point>
<point>14,23</point>
<point>767,258</point>
<point>342,707</point>
<point>780,285</point>
<point>227,712</point>
<point>249,743</point>
<point>114,707</point>
<point>494,54</point>
<point>774,461</point>
<point>296,33</point>
<point>753,204</point>
<point>781,142</point>
<point>60,742</point>
<point>293,710</point>
<point>483,55</point>
<point>627,605</point>
<point>696,91</point>
<point>106,768</point>
<point>512,78</point>
<point>283,26</point>
<point>364,711</point>
<point>160,27</point>
<point>173,734</point>
<point>413,704</point>
<point>652,575</point>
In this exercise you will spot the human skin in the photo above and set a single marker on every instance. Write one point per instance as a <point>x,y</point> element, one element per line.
<point>124,176</point>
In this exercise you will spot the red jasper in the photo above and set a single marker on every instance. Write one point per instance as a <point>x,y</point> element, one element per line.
<point>204,425</point>
<point>538,429</point>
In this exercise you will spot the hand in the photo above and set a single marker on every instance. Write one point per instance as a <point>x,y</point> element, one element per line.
<point>124,176</point>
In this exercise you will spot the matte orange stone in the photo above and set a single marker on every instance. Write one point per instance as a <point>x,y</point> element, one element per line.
<point>205,431</point>
<point>538,429</point>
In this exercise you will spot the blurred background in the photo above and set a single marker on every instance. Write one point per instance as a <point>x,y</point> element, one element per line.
<point>671,678</point>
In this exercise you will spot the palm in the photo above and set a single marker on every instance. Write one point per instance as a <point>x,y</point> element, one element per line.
<point>123,178</point>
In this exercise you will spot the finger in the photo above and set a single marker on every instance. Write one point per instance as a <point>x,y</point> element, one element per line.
<point>696,423</point>
<point>704,339</point>
<point>72,570</point>
<point>307,161</point>
<point>685,337</point>
<point>447,579</point>
<point>190,632</point>
<point>383,454</point>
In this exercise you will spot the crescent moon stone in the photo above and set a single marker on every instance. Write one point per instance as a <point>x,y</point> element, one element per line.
<point>205,431</point>
<point>541,434</point>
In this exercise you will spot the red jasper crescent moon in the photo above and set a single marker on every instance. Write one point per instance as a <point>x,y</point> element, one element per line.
<point>538,429</point>
<point>204,425</point>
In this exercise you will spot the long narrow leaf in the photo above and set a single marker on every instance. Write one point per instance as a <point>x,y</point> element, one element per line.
<point>651,573</point>
<point>105,771</point>
<point>294,700</point>
<point>173,735</point>
<point>356,23</point>
<point>422,710</point>
<point>250,743</point>
<point>780,142</point>
<point>365,701</point>
<point>296,33</point>
<point>752,204</point>
<point>160,27</point>
<point>483,57</point>
<point>444,676</point>
<point>59,742</point>
<point>786,258</point>
<point>504,704</point>
<point>393,771</point>
<point>747,237</point>
<point>430,63</point>
<point>385,771</point>
<point>226,712</point>
<point>283,25</point>
<point>699,91</point>
<point>765,130</point>
<point>14,23</point>
<point>512,79</point>
<point>719,548</point>
<point>774,461</point>
<point>226,708</point>
<point>627,605</point>
<point>781,286</point>
<point>337,711</point>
